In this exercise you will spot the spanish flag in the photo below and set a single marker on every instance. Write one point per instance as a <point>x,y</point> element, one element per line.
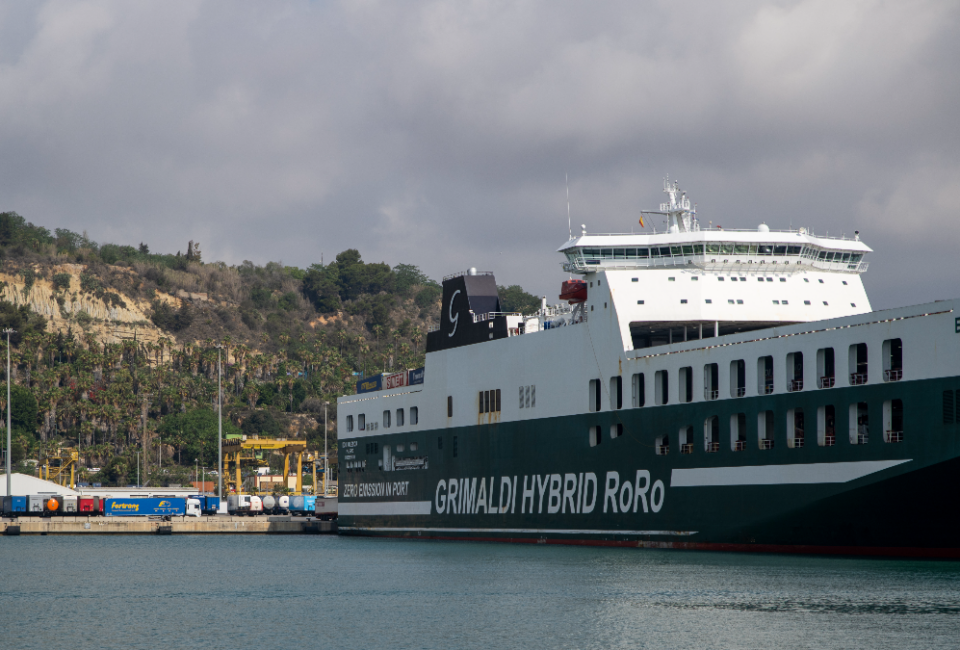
<point>642,225</point>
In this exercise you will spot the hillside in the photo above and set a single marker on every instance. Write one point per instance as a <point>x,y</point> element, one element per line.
<point>115,351</point>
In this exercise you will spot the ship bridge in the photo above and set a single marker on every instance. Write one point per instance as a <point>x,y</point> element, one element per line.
<point>688,282</point>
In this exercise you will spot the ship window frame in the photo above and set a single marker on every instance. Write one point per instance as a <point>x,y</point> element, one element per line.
<point>349,423</point>
<point>449,406</point>
<point>399,417</point>
<point>362,422</point>
<point>414,415</point>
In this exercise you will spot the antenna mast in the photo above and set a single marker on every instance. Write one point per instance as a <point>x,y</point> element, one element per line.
<point>566,182</point>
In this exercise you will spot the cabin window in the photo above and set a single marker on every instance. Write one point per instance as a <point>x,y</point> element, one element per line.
<point>827,426</point>
<point>616,430</point>
<point>765,429</point>
<point>858,364</point>
<point>449,406</point>
<point>399,417</point>
<point>711,381</point>
<point>616,393</point>
<point>414,415</point>
<point>711,434</point>
<point>349,423</point>
<point>686,384</point>
<point>662,387</point>
<point>686,440</point>
<point>795,371</point>
<point>859,424</point>
<point>825,368</point>
<point>765,375</point>
<point>795,428</point>
<point>893,420</point>
<point>361,421</point>
<point>738,431</point>
<point>594,394</point>
<point>662,445</point>
<point>386,419</point>
<point>738,378</point>
<point>893,360</point>
<point>594,436</point>
<point>638,391</point>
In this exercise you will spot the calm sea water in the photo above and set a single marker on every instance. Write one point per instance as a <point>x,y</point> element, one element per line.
<point>321,591</point>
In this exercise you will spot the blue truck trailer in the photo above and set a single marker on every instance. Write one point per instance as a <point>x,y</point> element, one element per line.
<point>145,506</point>
<point>208,505</point>
<point>14,506</point>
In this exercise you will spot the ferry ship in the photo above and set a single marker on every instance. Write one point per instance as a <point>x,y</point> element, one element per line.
<point>698,388</point>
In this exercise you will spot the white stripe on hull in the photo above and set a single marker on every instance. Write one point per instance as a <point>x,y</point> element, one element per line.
<point>385,508</point>
<point>793,474</point>
<point>519,531</point>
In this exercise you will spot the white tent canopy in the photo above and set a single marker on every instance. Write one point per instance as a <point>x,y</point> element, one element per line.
<point>24,484</point>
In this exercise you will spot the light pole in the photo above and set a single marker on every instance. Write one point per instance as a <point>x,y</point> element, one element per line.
<point>220,429</point>
<point>8,332</point>
<point>324,450</point>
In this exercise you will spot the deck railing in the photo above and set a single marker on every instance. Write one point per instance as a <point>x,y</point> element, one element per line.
<point>766,443</point>
<point>795,385</point>
<point>712,447</point>
<point>894,374</point>
<point>858,378</point>
<point>827,381</point>
<point>741,391</point>
<point>686,448</point>
<point>893,436</point>
<point>710,394</point>
<point>829,440</point>
<point>740,445</point>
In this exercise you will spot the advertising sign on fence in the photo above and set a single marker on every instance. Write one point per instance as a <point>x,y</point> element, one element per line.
<point>369,384</point>
<point>395,380</point>
<point>415,377</point>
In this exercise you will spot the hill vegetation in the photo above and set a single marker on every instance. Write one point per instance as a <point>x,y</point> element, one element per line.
<point>115,350</point>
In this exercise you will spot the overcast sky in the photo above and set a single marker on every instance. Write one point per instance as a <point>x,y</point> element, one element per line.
<point>439,133</point>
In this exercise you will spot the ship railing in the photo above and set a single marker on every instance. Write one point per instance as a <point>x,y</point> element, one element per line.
<point>713,447</point>
<point>766,443</point>
<point>829,440</point>
<point>753,231</point>
<point>462,273</point>
<point>863,438</point>
<point>740,445</point>
<point>768,387</point>
<point>893,436</point>
<point>827,381</point>
<point>686,448</point>
<point>894,374</point>
<point>710,394</point>
<point>582,265</point>
<point>795,385</point>
<point>490,315</point>
<point>858,378</point>
<point>663,450</point>
<point>741,391</point>
<point>798,440</point>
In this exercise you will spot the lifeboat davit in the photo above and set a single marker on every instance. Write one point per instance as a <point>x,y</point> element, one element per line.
<point>573,291</point>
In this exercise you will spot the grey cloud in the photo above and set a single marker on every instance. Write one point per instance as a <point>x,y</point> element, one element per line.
<point>439,134</point>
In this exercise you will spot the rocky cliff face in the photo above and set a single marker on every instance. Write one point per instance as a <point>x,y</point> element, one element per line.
<point>80,311</point>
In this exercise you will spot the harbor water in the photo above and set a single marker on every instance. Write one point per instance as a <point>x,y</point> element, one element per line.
<point>327,591</point>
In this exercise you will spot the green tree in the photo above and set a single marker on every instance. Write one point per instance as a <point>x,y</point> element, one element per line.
<point>23,415</point>
<point>514,298</point>
<point>198,431</point>
<point>320,288</point>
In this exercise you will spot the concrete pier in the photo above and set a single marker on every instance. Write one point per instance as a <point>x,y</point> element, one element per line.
<point>215,524</point>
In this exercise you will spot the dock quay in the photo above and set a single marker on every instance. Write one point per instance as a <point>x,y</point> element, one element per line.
<point>212,524</point>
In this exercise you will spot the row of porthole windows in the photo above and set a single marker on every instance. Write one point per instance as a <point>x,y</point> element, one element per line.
<point>795,421</point>
<point>388,421</point>
<point>892,353</point>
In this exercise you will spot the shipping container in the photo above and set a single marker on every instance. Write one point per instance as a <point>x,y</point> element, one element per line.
<point>35,503</point>
<point>14,506</point>
<point>53,505</point>
<point>69,505</point>
<point>89,505</point>
<point>302,506</point>
<point>144,506</point>
<point>238,504</point>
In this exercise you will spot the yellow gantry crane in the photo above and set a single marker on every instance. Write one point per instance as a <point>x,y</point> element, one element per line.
<point>249,451</point>
<point>56,468</point>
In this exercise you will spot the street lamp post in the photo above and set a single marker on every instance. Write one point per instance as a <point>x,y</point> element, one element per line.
<point>8,332</point>
<point>220,428</point>
<point>325,464</point>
